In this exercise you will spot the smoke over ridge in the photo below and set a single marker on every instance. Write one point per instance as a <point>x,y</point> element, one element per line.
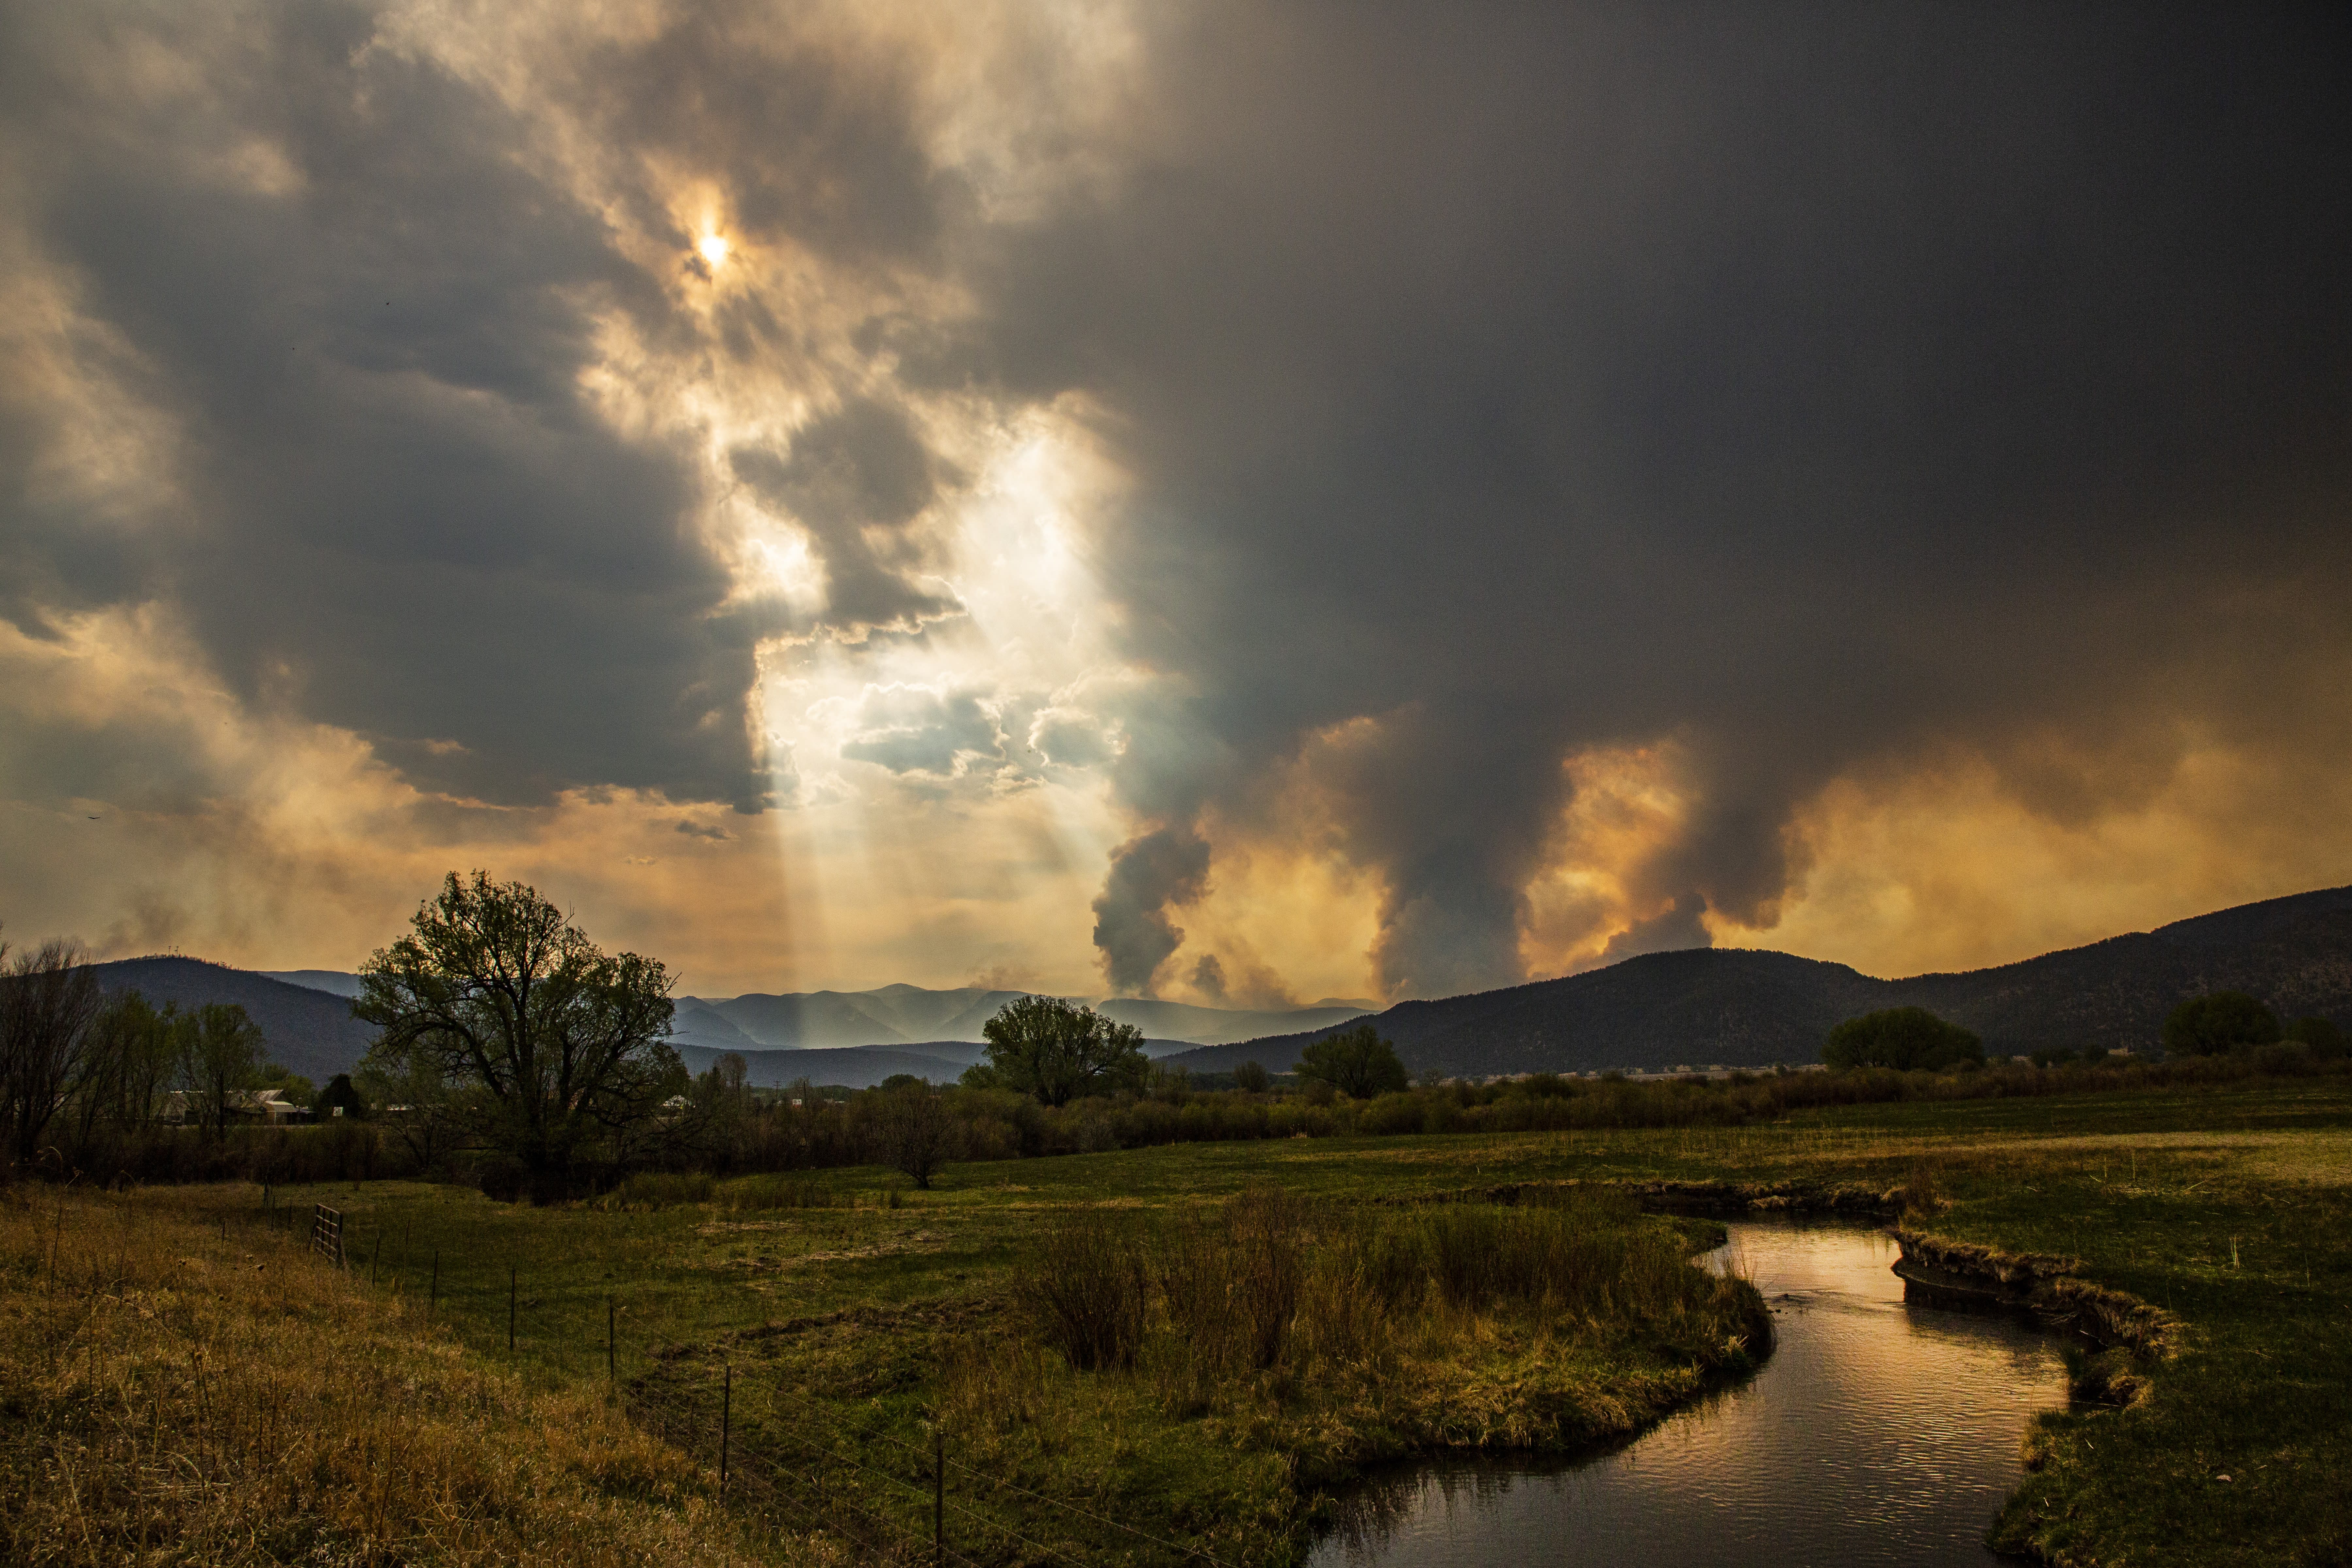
<point>1571,481</point>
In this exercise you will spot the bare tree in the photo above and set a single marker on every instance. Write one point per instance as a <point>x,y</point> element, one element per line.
<point>912,1129</point>
<point>49,999</point>
<point>220,1052</point>
<point>132,1052</point>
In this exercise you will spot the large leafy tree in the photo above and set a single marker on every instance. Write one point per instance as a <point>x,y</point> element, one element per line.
<point>496,990</point>
<point>1356,1062</point>
<point>1906,1038</point>
<point>1058,1049</point>
<point>2220,1021</point>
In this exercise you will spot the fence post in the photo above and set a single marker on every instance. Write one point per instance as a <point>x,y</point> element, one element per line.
<point>726,1414</point>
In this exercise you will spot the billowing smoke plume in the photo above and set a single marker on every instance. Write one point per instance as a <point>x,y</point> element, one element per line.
<point>1148,876</point>
<point>1817,399</point>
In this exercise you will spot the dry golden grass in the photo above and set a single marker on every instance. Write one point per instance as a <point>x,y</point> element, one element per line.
<point>180,1386</point>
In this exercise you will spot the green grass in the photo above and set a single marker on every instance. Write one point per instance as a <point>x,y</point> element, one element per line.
<point>848,1321</point>
<point>847,1326</point>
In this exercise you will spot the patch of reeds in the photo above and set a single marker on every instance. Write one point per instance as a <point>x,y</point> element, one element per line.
<point>1923,1194</point>
<point>1267,1281</point>
<point>1085,1289</point>
<point>1232,1284</point>
<point>779,1191</point>
<point>660,1190</point>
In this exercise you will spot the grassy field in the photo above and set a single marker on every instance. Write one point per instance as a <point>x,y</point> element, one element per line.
<point>181,1383</point>
<point>857,1332</point>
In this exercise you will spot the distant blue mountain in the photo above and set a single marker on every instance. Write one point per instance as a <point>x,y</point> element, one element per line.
<point>904,1014</point>
<point>333,982</point>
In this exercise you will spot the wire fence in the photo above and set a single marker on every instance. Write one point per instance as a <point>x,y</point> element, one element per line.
<point>797,1472</point>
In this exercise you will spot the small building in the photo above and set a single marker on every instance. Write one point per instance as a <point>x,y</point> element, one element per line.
<point>267,1105</point>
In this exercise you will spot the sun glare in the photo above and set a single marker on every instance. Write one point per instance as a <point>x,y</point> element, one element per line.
<point>714,249</point>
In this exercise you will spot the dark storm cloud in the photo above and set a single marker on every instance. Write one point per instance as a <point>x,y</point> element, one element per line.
<point>397,515</point>
<point>811,139</point>
<point>854,479</point>
<point>1807,387</point>
<point>1797,390</point>
<point>396,512</point>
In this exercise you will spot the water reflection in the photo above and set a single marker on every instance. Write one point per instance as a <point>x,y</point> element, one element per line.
<point>1880,1431</point>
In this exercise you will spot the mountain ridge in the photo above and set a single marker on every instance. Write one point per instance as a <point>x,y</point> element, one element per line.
<point>1754,1007</point>
<point>307,1030</point>
<point>1734,1006</point>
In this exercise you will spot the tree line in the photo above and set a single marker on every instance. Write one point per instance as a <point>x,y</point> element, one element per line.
<point>513,1050</point>
<point>2219,1023</point>
<point>78,1064</point>
<point>504,1028</point>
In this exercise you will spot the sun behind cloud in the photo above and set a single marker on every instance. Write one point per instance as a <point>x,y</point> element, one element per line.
<point>714,248</point>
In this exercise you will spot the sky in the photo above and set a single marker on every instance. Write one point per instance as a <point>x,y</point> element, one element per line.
<point>1244,504</point>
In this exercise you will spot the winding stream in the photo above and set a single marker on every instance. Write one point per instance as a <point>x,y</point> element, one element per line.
<point>1878,1432</point>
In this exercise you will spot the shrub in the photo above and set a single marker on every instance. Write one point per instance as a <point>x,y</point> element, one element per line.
<point>2221,1021</point>
<point>660,1190</point>
<point>1195,1278</point>
<point>2287,1059</point>
<point>1391,1114</point>
<point>1233,1287</point>
<point>1084,1287</point>
<point>2325,1040</point>
<point>503,1178</point>
<point>1251,1077</point>
<point>911,1127</point>
<point>774,1192</point>
<point>1266,1232</point>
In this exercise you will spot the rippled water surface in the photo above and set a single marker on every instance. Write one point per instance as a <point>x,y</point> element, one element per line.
<point>1879,1432</point>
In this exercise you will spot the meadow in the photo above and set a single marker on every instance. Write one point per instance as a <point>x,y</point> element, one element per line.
<point>863,1343</point>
